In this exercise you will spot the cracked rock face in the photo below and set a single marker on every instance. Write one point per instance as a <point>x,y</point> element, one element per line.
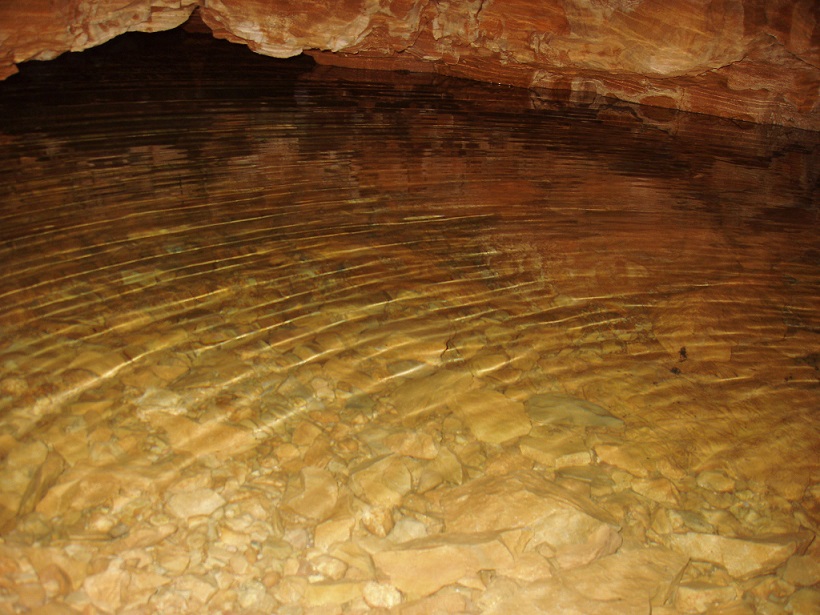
<point>743,59</point>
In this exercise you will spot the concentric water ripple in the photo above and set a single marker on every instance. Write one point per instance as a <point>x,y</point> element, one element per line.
<point>204,259</point>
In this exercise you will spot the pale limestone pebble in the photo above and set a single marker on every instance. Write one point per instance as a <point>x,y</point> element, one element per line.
<point>321,454</point>
<point>373,438</point>
<point>305,433</point>
<point>805,601</point>
<point>335,530</point>
<point>700,597</point>
<point>630,457</point>
<point>382,481</point>
<point>414,444</point>
<point>240,565</point>
<point>407,529</point>
<point>717,481</point>
<point>420,567</point>
<point>186,504</point>
<point>196,478</point>
<point>377,520</point>
<point>573,459</point>
<point>291,589</point>
<point>668,521</point>
<point>712,499</point>
<point>445,468</point>
<point>502,461</point>
<point>287,452</point>
<point>742,558</point>
<point>198,589</point>
<point>707,521</point>
<point>326,567</point>
<point>491,416</point>
<point>473,458</point>
<point>252,594</point>
<point>381,595</point>
<point>359,562</point>
<point>429,479</point>
<point>574,528</point>
<point>766,589</point>
<point>233,538</point>
<point>803,570</point>
<point>658,490</point>
<point>173,559</point>
<point>105,589</point>
<point>297,537</point>
<point>218,554</point>
<point>313,494</point>
<point>600,483</point>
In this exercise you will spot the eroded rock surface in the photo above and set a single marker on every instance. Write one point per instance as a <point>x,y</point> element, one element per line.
<point>739,58</point>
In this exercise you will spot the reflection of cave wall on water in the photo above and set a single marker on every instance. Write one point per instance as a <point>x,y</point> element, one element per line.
<point>744,59</point>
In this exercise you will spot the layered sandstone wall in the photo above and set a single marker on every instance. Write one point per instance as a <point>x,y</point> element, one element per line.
<point>756,60</point>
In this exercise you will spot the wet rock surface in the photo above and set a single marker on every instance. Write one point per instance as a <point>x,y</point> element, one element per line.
<point>344,346</point>
<point>740,59</point>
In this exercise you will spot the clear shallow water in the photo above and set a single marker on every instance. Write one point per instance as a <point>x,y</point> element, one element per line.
<point>197,261</point>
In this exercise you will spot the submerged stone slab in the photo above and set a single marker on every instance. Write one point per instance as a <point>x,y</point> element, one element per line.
<point>630,582</point>
<point>382,481</point>
<point>313,495</point>
<point>555,448</point>
<point>492,416</point>
<point>418,397</point>
<point>742,558</point>
<point>572,527</point>
<point>421,567</point>
<point>559,409</point>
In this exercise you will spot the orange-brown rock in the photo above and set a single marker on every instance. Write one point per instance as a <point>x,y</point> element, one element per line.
<point>743,59</point>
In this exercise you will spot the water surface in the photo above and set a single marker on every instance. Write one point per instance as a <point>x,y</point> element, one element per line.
<point>204,256</point>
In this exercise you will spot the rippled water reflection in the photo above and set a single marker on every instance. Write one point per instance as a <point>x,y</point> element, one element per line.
<point>187,241</point>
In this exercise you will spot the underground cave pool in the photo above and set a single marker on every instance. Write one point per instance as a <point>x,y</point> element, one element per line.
<point>277,337</point>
